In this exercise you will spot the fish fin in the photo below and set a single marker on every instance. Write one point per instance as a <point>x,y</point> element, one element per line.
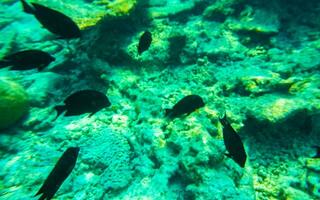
<point>318,152</point>
<point>59,109</point>
<point>228,155</point>
<point>4,64</point>
<point>90,115</point>
<point>42,197</point>
<point>41,67</point>
<point>15,68</point>
<point>224,120</point>
<point>187,114</point>
<point>26,7</point>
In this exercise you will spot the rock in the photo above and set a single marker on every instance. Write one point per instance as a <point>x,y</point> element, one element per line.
<point>255,26</point>
<point>220,9</point>
<point>13,102</point>
<point>279,115</point>
<point>294,194</point>
<point>171,9</point>
<point>260,85</point>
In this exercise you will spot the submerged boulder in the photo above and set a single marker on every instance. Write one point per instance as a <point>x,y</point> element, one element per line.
<point>13,102</point>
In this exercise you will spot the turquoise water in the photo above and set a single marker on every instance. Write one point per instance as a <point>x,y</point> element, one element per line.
<point>256,62</point>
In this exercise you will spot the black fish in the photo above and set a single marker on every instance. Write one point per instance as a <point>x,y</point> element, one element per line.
<point>84,101</point>
<point>186,105</point>
<point>28,59</point>
<point>59,173</point>
<point>54,21</point>
<point>233,143</point>
<point>144,42</point>
<point>318,152</point>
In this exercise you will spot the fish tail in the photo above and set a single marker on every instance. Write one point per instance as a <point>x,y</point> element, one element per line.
<point>26,7</point>
<point>59,109</point>
<point>3,63</point>
<point>168,112</point>
<point>224,120</point>
<point>316,147</point>
<point>42,197</point>
<point>318,151</point>
<point>228,155</point>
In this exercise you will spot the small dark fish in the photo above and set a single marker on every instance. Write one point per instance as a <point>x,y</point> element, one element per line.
<point>186,105</point>
<point>84,101</point>
<point>28,59</point>
<point>233,143</point>
<point>56,22</point>
<point>318,151</point>
<point>144,42</point>
<point>59,173</point>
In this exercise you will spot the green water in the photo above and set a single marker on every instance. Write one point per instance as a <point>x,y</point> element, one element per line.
<point>256,61</point>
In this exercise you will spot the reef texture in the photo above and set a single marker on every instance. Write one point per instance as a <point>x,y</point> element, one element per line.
<point>258,61</point>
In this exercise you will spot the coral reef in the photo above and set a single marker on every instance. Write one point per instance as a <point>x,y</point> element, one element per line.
<point>255,61</point>
<point>100,153</point>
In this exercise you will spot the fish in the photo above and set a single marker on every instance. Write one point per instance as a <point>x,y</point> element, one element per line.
<point>186,105</point>
<point>54,21</point>
<point>83,101</point>
<point>28,59</point>
<point>59,173</point>
<point>144,42</point>
<point>318,152</point>
<point>233,143</point>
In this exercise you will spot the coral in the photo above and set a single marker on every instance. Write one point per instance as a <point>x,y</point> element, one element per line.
<point>294,194</point>
<point>122,7</point>
<point>87,14</point>
<point>256,60</point>
<point>108,154</point>
<point>273,109</point>
<point>172,8</point>
<point>118,7</point>
<point>260,85</point>
<point>89,21</point>
<point>312,179</point>
<point>13,102</point>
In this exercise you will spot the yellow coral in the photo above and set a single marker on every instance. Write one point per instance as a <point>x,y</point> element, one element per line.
<point>89,21</point>
<point>89,14</point>
<point>278,109</point>
<point>299,86</point>
<point>122,7</point>
<point>119,7</point>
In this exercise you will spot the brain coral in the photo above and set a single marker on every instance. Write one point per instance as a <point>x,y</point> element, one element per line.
<point>109,155</point>
<point>13,102</point>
